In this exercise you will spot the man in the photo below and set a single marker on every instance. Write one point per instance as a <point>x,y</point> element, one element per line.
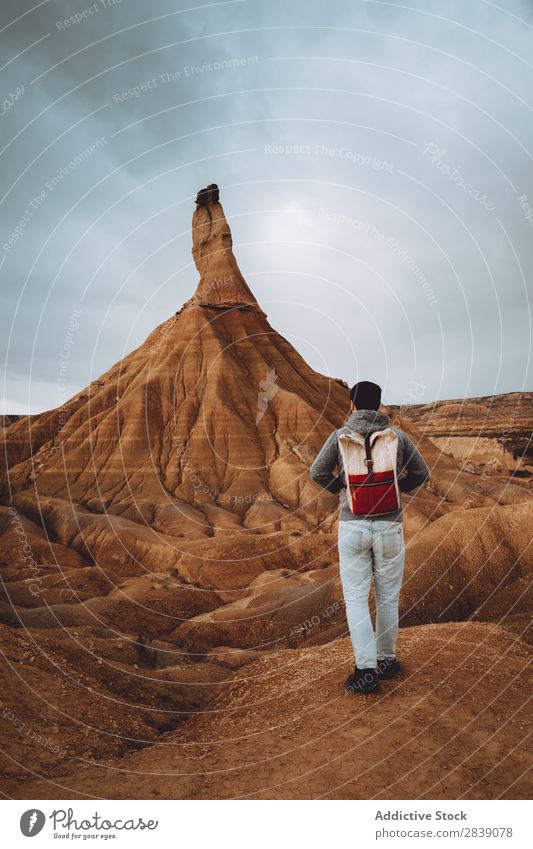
<point>370,543</point>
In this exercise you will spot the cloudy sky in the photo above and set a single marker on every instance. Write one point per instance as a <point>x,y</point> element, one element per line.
<point>375,164</point>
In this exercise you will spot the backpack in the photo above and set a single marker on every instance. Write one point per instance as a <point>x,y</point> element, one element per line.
<point>369,462</point>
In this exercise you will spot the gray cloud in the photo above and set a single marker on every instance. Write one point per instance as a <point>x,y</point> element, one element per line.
<point>375,165</point>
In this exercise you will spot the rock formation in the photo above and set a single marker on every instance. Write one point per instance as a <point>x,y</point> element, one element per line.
<point>180,452</point>
<point>161,531</point>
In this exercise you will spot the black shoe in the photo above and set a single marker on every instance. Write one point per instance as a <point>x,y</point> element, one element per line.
<point>362,681</point>
<point>389,667</point>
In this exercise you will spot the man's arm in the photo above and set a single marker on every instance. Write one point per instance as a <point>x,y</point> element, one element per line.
<point>322,469</point>
<point>415,466</point>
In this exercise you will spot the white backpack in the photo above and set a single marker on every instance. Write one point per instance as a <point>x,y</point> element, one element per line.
<point>370,470</point>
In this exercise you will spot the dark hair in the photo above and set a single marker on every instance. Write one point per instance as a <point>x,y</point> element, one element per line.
<point>366,395</point>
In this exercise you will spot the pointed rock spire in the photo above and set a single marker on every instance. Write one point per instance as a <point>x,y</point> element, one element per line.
<point>221,282</point>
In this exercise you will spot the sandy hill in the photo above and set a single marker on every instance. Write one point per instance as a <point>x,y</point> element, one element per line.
<point>282,728</point>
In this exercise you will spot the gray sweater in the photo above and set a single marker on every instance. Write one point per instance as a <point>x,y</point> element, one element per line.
<point>411,468</point>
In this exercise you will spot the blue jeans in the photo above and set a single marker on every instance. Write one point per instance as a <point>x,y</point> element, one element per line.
<point>364,546</point>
